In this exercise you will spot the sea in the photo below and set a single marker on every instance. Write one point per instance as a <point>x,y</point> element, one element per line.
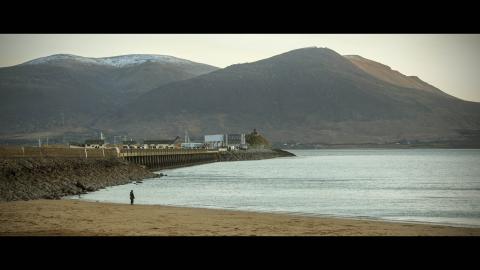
<point>432,186</point>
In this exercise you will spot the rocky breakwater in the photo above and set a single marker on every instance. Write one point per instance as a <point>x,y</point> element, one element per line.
<point>52,178</point>
<point>253,154</point>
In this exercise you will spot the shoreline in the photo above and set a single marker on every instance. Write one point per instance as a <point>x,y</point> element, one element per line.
<point>297,214</point>
<point>27,178</point>
<point>84,218</point>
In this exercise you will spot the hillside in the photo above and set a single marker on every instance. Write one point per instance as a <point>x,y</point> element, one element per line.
<point>385,73</point>
<point>308,95</point>
<point>254,139</point>
<point>62,93</point>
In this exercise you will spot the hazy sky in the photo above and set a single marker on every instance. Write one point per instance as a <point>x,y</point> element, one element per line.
<point>449,62</point>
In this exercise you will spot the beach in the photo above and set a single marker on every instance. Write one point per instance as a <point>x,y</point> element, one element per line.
<point>82,218</point>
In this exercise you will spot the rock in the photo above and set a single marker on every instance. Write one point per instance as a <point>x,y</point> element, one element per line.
<point>80,185</point>
<point>51,178</point>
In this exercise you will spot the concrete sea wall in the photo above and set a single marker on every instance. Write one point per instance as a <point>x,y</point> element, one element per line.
<point>254,154</point>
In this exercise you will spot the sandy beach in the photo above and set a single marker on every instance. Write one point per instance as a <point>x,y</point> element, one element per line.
<point>80,218</point>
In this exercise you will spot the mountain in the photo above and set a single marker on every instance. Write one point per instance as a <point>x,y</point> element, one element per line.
<point>115,61</point>
<point>385,73</point>
<point>312,95</point>
<point>64,92</point>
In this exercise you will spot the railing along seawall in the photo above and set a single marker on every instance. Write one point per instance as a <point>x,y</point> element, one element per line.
<point>56,152</point>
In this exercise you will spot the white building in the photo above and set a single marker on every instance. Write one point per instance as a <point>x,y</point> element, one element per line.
<point>95,144</point>
<point>235,141</point>
<point>192,145</point>
<point>214,141</point>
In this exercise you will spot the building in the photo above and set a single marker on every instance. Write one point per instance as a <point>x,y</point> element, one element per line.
<point>192,145</point>
<point>95,143</point>
<point>158,144</point>
<point>130,145</point>
<point>228,141</point>
<point>163,144</point>
<point>235,141</point>
<point>214,141</point>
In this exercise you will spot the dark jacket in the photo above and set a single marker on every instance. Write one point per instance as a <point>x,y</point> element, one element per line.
<point>131,195</point>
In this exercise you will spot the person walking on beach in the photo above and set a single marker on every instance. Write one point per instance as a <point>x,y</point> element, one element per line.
<point>132,197</point>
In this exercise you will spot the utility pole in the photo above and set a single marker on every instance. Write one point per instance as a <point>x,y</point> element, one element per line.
<point>39,143</point>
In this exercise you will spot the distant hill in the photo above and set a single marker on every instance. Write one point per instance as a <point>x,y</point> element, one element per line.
<point>62,93</point>
<point>308,95</point>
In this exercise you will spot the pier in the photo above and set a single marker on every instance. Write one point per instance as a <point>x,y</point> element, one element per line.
<point>150,158</point>
<point>168,158</point>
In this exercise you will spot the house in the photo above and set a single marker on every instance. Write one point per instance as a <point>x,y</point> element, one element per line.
<point>163,144</point>
<point>95,143</point>
<point>130,145</point>
<point>158,144</point>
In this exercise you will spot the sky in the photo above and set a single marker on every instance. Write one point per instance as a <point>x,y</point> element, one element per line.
<point>450,62</point>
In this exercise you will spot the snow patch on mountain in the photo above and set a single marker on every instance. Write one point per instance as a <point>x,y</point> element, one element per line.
<point>115,61</point>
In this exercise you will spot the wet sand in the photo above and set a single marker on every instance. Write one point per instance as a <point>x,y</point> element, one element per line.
<point>80,218</point>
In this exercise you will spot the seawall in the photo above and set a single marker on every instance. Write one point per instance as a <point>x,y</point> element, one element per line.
<point>159,159</point>
<point>52,178</point>
<point>29,178</point>
<point>167,159</point>
<point>254,154</point>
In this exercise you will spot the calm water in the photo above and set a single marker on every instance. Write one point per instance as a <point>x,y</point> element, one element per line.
<point>433,185</point>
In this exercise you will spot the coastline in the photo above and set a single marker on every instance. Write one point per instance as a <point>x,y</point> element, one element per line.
<point>84,218</point>
<point>32,178</point>
<point>293,214</point>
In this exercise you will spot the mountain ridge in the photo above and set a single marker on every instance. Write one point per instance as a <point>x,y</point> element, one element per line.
<point>315,90</point>
<point>386,73</point>
<point>59,93</point>
<point>114,61</point>
<point>312,95</point>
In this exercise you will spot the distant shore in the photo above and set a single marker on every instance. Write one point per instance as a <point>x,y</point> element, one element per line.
<point>382,146</point>
<point>80,218</point>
